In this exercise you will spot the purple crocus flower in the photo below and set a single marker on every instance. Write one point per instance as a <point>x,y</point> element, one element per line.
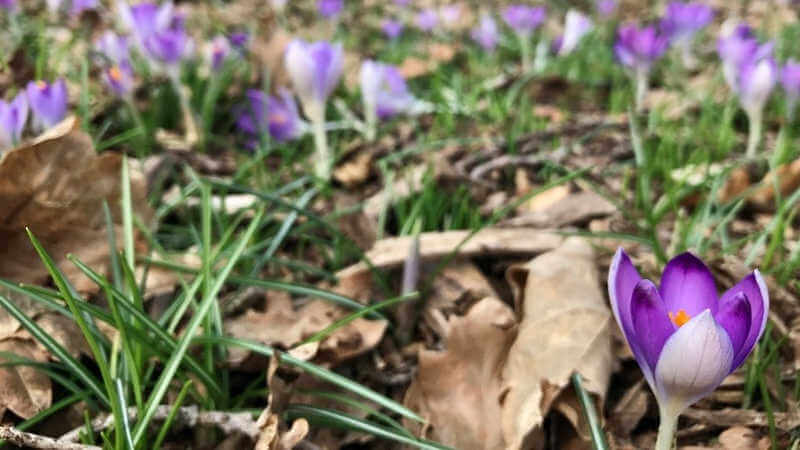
<point>790,80</point>
<point>276,115</point>
<point>48,102</point>
<point>79,6</point>
<point>13,116</point>
<point>486,33</point>
<point>637,49</point>
<point>217,51</point>
<point>117,72</point>
<point>113,47</point>
<point>239,40</point>
<point>8,5</point>
<point>524,19</point>
<point>681,22</point>
<point>735,45</point>
<point>392,28</point>
<point>576,26</point>
<point>755,80</point>
<point>383,90</point>
<point>159,31</point>
<point>606,7</point>
<point>119,78</point>
<point>315,70</point>
<point>684,336</point>
<point>426,20</point>
<point>329,9</point>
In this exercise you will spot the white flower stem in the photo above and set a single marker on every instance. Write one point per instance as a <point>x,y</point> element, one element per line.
<point>323,160</point>
<point>666,430</point>
<point>525,49</point>
<point>754,133</point>
<point>641,81</point>
<point>189,123</point>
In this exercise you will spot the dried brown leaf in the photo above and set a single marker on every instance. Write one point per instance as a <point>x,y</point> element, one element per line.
<point>458,390</point>
<point>56,186</point>
<point>565,328</point>
<point>738,438</point>
<point>25,390</point>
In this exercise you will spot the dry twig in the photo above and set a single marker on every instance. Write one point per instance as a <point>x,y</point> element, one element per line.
<point>30,440</point>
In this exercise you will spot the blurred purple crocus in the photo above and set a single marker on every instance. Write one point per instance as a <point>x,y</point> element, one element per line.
<point>524,19</point>
<point>277,115</point>
<point>486,33</point>
<point>684,336</point>
<point>426,20</point>
<point>117,71</point>
<point>384,93</point>
<point>681,22</point>
<point>48,101</point>
<point>330,9</point>
<point>159,32</point>
<point>637,49</point>
<point>391,28</point>
<point>239,40</point>
<point>756,79</point>
<point>315,70</point>
<point>790,80</point>
<point>13,116</point>
<point>605,8</point>
<point>217,51</point>
<point>735,45</point>
<point>8,5</point>
<point>576,26</point>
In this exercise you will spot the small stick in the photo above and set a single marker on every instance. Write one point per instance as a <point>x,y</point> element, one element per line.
<point>228,422</point>
<point>30,440</point>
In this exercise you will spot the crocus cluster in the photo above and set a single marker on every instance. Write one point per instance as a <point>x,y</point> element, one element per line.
<point>637,49</point>
<point>685,337</point>
<point>751,72</point>
<point>47,101</point>
<point>384,93</point>
<point>680,24</point>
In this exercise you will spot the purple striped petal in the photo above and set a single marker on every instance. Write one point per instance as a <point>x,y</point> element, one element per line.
<point>687,284</point>
<point>651,321</point>
<point>755,290</point>
<point>622,279</point>
<point>734,316</point>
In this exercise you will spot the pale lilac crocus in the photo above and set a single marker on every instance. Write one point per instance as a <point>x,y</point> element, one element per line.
<point>606,8</point>
<point>384,93</point>
<point>486,33</point>
<point>117,69</point>
<point>391,28</point>
<point>576,26</point>
<point>790,81</point>
<point>735,44</point>
<point>277,115</point>
<point>426,20</point>
<point>217,52</point>
<point>48,101</point>
<point>315,70</point>
<point>757,77</point>
<point>330,9</point>
<point>524,19</point>
<point>680,24</point>
<point>160,33</point>
<point>13,116</point>
<point>685,337</point>
<point>637,49</point>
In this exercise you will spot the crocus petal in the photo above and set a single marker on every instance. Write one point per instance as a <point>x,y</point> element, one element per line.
<point>651,322</point>
<point>687,284</point>
<point>693,362</point>
<point>734,316</point>
<point>622,279</point>
<point>755,289</point>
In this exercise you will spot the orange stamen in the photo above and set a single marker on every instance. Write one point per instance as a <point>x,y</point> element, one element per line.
<point>41,85</point>
<point>115,73</point>
<point>679,319</point>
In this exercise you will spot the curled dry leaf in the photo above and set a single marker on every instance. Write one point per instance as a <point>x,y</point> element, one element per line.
<point>24,390</point>
<point>458,390</point>
<point>56,186</point>
<point>273,434</point>
<point>564,328</point>
<point>283,326</point>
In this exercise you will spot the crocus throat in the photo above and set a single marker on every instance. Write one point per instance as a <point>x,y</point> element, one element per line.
<point>680,318</point>
<point>41,85</point>
<point>279,119</point>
